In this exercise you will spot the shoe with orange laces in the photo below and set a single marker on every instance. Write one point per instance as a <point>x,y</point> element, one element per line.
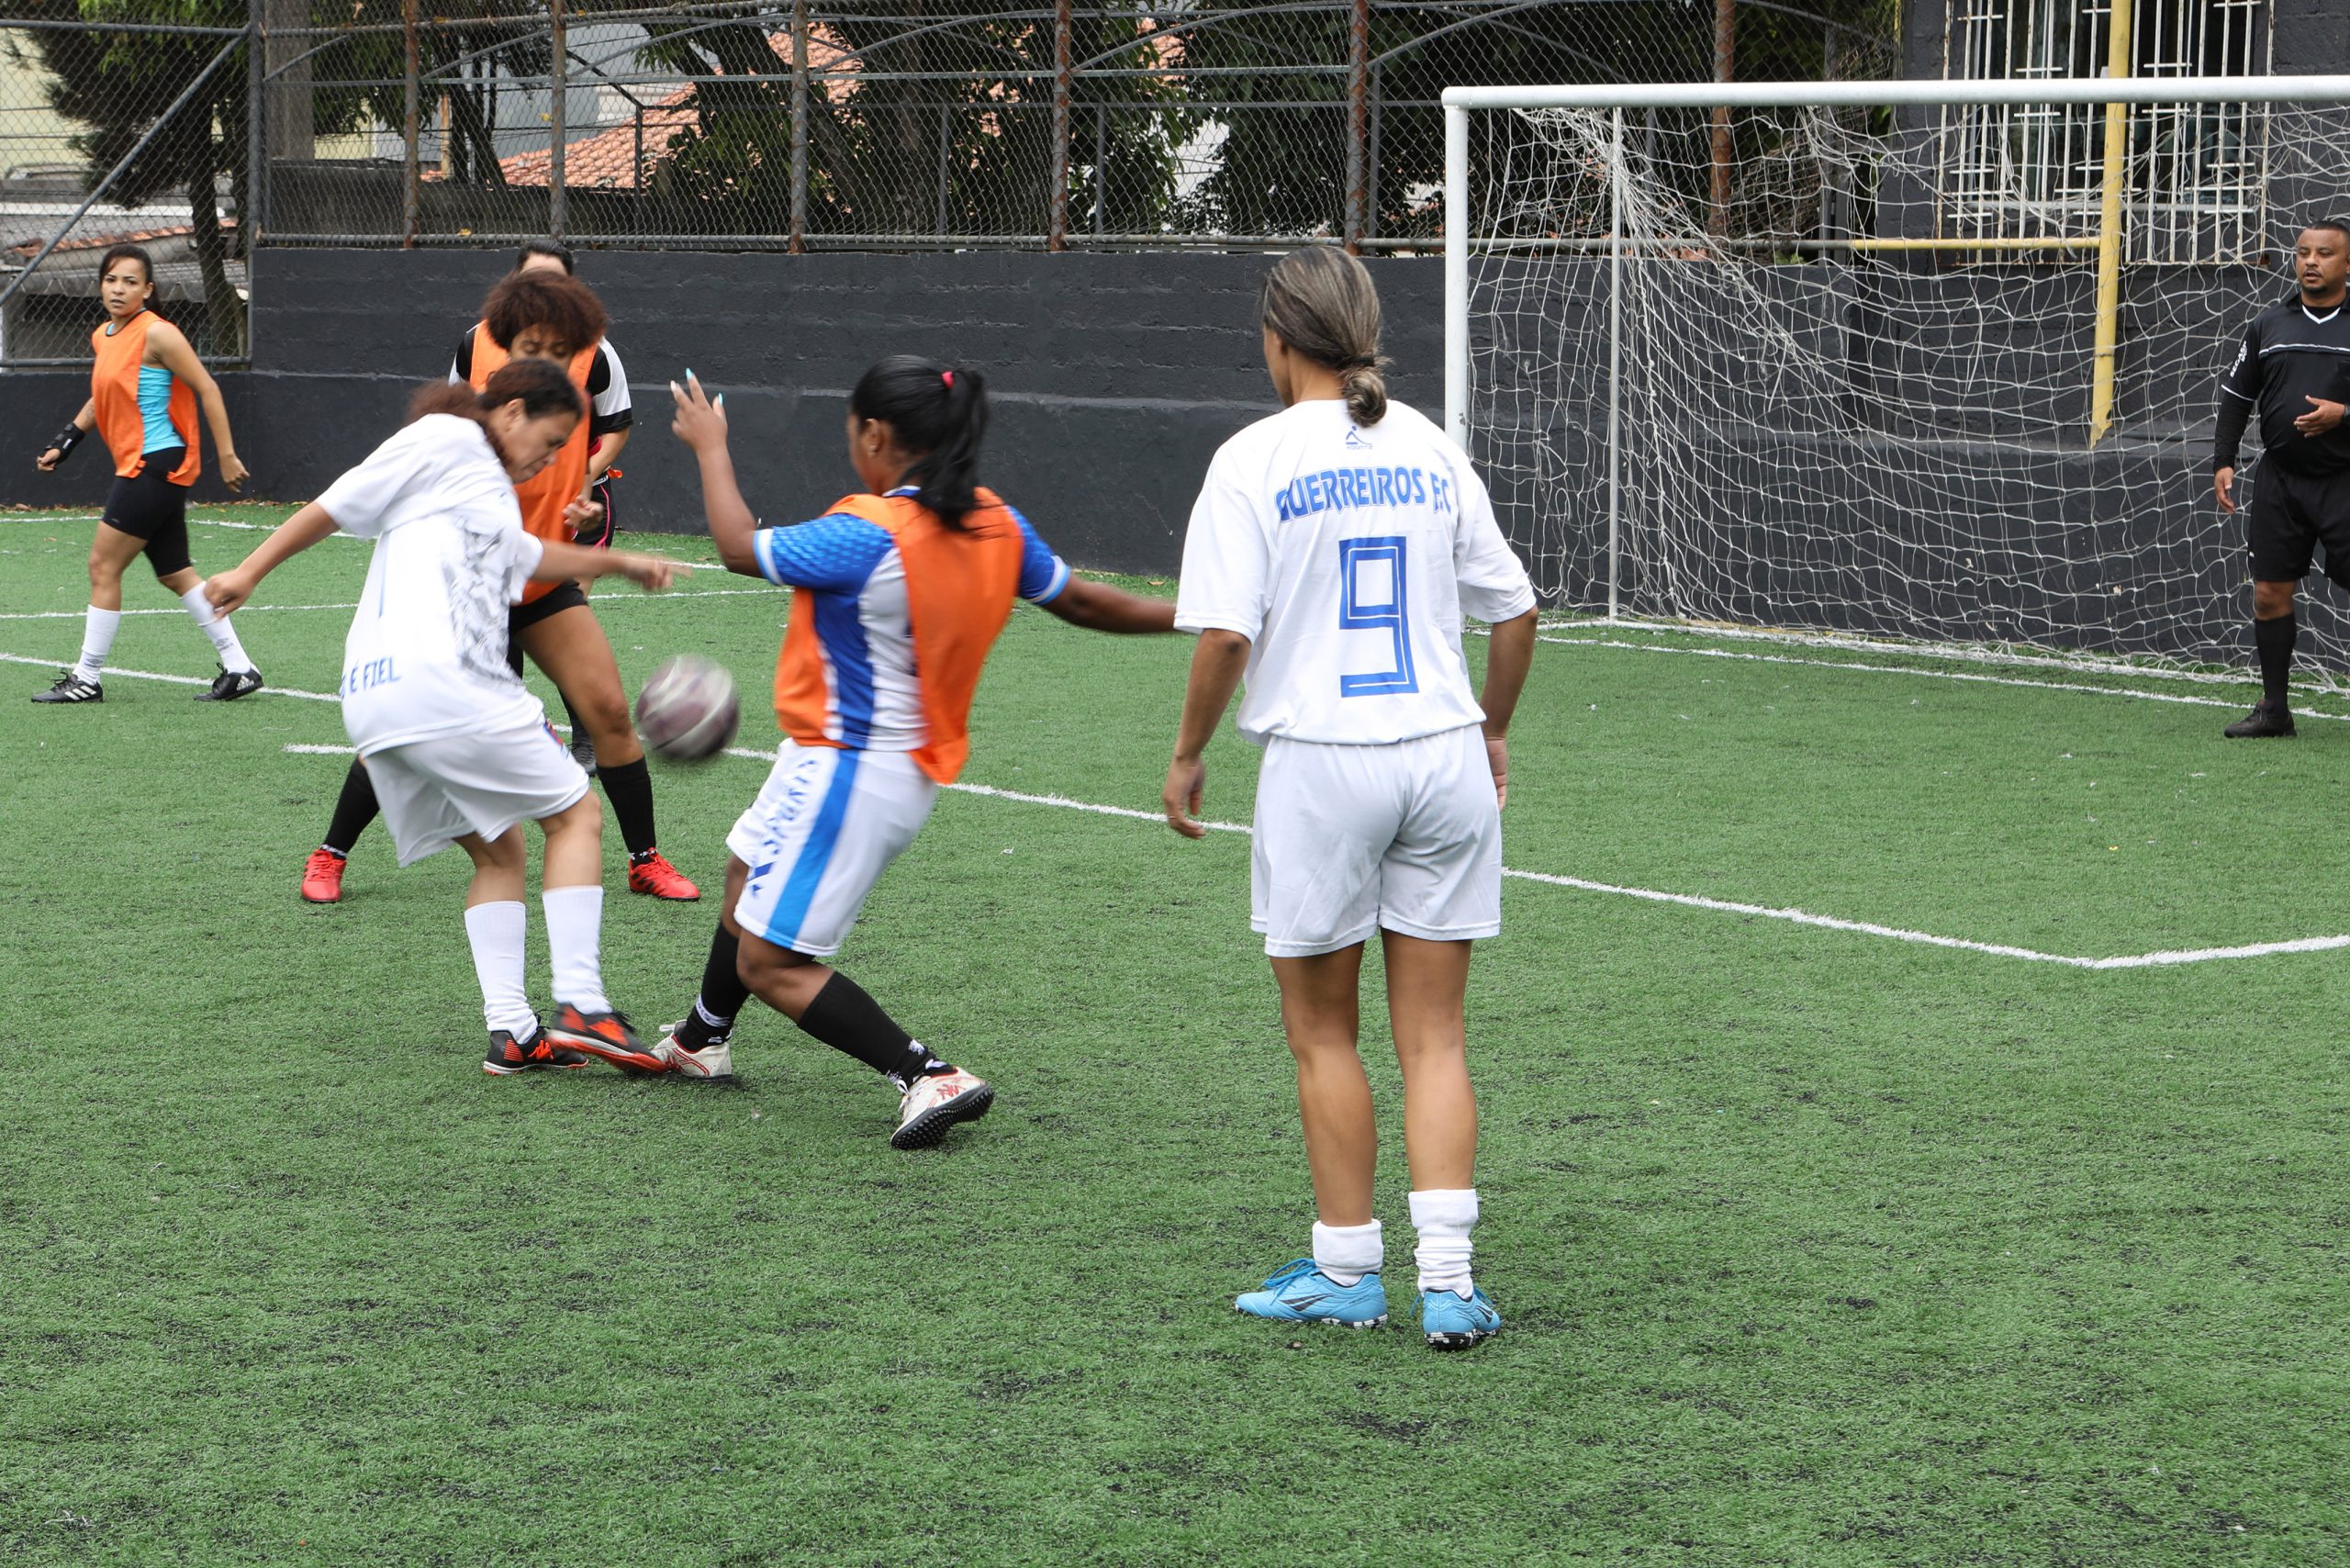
<point>508,1055</point>
<point>604,1035</point>
<point>653,874</point>
<point>322,876</point>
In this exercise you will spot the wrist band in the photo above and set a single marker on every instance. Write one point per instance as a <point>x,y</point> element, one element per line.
<point>66,439</point>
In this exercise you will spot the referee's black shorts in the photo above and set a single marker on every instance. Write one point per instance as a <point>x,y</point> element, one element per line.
<point>150,507</point>
<point>565,595</point>
<point>2290,515</point>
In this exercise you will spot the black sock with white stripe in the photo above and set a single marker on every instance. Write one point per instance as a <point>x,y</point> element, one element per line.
<point>848,1020</point>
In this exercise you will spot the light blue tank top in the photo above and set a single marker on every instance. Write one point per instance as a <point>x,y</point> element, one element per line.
<point>155,408</point>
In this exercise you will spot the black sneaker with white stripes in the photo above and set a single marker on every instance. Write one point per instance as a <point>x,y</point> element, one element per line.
<point>72,688</point>
<point>230,685</point>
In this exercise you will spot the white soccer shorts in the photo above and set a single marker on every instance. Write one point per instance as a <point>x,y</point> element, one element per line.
<point>433,792</point>
<point>827,825</point>
<point>1353,839</point>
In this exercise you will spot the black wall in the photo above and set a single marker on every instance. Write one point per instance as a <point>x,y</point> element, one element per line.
<point>1113,378</point>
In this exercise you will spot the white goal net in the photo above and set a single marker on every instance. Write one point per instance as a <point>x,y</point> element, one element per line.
<point>1940,370</point>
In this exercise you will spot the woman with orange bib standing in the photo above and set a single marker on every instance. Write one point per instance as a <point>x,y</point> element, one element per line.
<point>897,595</point>
<point>544,314</point>
<point>145,390</point>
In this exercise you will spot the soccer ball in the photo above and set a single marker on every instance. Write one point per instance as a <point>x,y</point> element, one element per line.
<point>686,711</point>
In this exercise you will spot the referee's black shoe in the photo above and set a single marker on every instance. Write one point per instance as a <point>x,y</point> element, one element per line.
<point>2267,718</point>
<point>230,685</point>
<point>72,688</point>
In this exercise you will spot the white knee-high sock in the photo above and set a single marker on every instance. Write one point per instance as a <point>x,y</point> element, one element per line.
<point>1443,1217</point>
<point>216,626</point>
<point>574,933</point>
<point>495,931</point>
<point>1347,1252</point>
<point>99,627</point>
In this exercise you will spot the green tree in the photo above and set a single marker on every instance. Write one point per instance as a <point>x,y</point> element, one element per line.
<point>117,86</point>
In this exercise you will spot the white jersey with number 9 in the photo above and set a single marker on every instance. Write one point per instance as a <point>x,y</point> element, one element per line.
<point>1347,556</point>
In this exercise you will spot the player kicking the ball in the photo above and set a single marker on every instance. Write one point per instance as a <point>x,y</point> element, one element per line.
<point>1331,554</point>
<point>459,750</point>
<point>897,596</point>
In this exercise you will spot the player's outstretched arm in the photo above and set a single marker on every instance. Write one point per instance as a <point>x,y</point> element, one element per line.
<point>1097,607</point>
<point>702,425</point>
<point>1507,659</point>
<point>230,589</point>
<point>1217,664</point>
<point>558,561</point>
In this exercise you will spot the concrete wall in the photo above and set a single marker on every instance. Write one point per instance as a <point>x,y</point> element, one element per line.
<point>1112,378</point>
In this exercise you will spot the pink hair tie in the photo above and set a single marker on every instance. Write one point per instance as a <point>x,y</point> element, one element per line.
<point>948,376</point>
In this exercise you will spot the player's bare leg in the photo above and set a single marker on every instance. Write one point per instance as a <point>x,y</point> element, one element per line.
<point>495,925</point>
<point>571,648</point>
<point>1322,1015</point>
<point>935,1094</point>
<point>2274,633</point>
<point>1427,986</point>
<point>111,552</point>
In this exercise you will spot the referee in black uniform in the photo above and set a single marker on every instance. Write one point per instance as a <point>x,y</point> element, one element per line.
<point>2294,368</point>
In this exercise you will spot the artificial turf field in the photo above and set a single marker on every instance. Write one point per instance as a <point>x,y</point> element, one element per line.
<point>1816,1245</point>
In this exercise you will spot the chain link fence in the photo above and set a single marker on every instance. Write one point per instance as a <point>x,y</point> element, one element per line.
<point>116,130</point>
<point>202,127</point>
<point>911,123</point>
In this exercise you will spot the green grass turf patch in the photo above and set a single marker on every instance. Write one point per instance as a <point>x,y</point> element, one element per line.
<point>1815,1248</point>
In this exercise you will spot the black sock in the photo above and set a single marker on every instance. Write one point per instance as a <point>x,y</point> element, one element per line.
<point>629,786</point>
<point>579,729</point>
<point>354,809</point>
<point>847,1019</point>
<point>722,995</point>
<point>2274,639</point>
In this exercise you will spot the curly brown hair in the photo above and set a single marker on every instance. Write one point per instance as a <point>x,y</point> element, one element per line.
<point>553,302</point>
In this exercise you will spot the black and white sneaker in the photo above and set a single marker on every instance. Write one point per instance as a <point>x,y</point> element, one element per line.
<point>72,688</point>
<point>2265,719</point>
<point>228,686</point>
<point>583,752</point>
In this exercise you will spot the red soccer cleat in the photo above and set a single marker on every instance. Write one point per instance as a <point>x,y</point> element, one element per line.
<point>322,876</point>
<point>655,875</point>
<point>604,1035</point>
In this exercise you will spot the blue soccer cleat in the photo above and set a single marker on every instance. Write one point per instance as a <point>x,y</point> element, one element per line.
<point>1302,1293</point>
<point>1454,1322</point>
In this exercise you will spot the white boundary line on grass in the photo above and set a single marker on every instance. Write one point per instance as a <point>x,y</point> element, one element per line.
<point>1968,676</point>
<point>114,672</point>
<point>2163,959</point>
<point>615,597</point>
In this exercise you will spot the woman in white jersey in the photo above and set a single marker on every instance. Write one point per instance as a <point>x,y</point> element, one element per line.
<point>458,749</point>
<point>1333,551</point>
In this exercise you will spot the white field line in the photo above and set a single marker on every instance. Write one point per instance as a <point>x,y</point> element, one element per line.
<point>1966,676</point>
<point>2164,958</point>
<point>620,597</point>
<point>1948,652</point>
<point>114,673</point>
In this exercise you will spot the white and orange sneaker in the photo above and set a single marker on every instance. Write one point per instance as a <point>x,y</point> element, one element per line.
<point>937,1104</point>
<point>714,1063</point>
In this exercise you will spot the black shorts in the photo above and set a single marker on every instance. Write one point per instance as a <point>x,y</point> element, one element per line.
<point>149,506</point>
<point>564,596</point>
<point>2290,515</point>
<point>599,537</point>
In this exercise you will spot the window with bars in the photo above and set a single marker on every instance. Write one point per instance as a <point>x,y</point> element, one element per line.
<point>2196,174</point>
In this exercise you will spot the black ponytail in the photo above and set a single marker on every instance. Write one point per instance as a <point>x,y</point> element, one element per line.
<point>940,414</point>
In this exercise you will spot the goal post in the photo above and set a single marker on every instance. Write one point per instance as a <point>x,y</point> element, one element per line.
<point>1929,359</point>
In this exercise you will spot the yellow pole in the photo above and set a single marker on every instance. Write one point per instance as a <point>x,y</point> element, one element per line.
<point>2109,234</point>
